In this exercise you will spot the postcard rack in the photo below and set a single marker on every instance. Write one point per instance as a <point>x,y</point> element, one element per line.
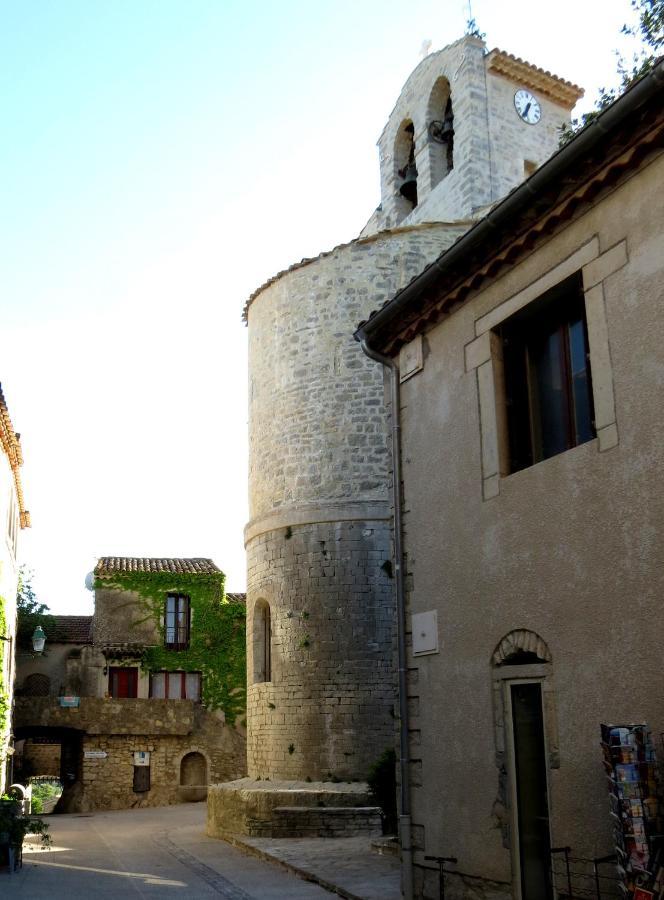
<point>629,761</point>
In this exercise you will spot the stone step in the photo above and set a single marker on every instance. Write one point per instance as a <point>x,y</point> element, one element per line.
<point>325,821</point>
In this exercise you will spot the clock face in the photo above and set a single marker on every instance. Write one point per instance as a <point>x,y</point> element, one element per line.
<point>527,106</point>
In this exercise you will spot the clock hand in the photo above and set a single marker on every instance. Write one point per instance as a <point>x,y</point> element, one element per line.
<point>525,112</point>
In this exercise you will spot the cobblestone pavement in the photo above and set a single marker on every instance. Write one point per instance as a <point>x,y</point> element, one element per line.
<point>147,853</point>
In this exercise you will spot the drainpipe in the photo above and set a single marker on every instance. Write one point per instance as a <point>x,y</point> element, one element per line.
<point>404,755</point>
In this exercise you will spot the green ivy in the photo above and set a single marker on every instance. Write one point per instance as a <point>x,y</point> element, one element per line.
<point>4,694</point>
<point>217,639</point>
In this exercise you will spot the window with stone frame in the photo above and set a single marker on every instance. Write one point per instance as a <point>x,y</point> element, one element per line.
<point>177,622</point>
<point>175,685</point>
<point>548,390</point>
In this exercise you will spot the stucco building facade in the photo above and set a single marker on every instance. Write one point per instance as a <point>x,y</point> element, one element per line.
<point>530,369</point>
<point>13,518</point>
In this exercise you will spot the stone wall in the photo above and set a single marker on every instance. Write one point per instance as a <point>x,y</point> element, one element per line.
<point>40,759</point>
<point>120,616</point>
<point>491,142</point>
<point>112,730</point>
<point>250,807</point>
<point>328,709</point>
<point>318,542</point>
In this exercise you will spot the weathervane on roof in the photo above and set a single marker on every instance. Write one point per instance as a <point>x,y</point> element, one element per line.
<point>472,28</point>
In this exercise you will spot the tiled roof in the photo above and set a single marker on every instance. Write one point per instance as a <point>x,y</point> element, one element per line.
<point>113,565</point>
<point>123,649</point>
<point>69,630</point>
<point>236,598</point>
<point>558,89</point>
<point>11,444</point>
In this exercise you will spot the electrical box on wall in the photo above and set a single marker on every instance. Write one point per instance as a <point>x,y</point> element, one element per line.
<point>424,628</point>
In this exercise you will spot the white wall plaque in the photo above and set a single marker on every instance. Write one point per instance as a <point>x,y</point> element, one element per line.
<point>141,757</point>
<point>425,633</point>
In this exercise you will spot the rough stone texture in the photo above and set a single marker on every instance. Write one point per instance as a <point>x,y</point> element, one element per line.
<point>327,712</point>
<point>328,822</point>
<point>491,142</point>
<point>248,806</point>
<point>318,543</point>
<point>40,759</point>
<point>168,729</point>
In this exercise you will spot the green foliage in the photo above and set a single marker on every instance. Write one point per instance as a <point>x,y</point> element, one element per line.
<point>383,788</point>
<point>217,640</point>
<point>31,612</point>
<point>649,30</point>
<point>43,791</point>
<point>16,825</point>
<point>4,693</point>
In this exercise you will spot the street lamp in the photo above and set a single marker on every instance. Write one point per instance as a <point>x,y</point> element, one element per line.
<point>38,639</point>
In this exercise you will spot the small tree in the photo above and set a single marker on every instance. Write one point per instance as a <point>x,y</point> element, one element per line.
<point>649,29</point>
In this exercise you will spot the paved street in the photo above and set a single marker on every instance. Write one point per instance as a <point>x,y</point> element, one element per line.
<point>147,853</point>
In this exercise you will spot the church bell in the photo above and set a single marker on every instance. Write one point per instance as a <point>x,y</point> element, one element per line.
<point>409,187</point>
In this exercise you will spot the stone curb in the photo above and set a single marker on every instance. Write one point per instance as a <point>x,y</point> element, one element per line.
<point>236,841</point>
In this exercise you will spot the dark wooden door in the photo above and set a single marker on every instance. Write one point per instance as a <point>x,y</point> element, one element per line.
<point>531,791</point>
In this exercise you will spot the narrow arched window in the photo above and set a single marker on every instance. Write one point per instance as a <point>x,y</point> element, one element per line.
<point>440,124</point>
<point>406,168</point>
<point>262,642</point>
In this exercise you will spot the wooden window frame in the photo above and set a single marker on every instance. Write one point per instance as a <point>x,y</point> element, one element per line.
<point>181,631</point>
<point>551,314</point>
<point>168,673</point>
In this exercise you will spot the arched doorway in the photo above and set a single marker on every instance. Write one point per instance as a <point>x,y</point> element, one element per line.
<point>526,744</point>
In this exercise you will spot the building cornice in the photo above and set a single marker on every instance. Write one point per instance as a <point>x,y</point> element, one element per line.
<point>524,73</point>
<point>11,444</point>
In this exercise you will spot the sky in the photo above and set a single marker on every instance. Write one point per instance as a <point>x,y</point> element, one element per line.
<point>160,160</point>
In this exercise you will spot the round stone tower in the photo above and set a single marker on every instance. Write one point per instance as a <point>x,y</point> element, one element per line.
<point>320,605</point>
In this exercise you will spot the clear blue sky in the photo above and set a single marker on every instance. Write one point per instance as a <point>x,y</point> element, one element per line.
<point>160,160</point>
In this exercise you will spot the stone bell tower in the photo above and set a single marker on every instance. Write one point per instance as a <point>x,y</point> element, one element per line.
<point>320,600</point>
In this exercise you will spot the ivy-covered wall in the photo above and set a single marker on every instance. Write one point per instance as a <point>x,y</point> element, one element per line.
<point>4,688</point>
<point>217,638</point>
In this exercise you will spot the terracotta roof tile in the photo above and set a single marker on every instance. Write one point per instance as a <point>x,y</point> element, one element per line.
<point>11,444</point>
<point>236,598</point>
<point>113,565</point>
<point>69,630</point>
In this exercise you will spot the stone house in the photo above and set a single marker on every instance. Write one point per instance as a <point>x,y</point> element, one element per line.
<point>13,518</point>
<point>141,704</point>
<point>526,370</point>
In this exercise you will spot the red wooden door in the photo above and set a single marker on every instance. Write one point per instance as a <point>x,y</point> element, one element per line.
<point>123,683</point>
